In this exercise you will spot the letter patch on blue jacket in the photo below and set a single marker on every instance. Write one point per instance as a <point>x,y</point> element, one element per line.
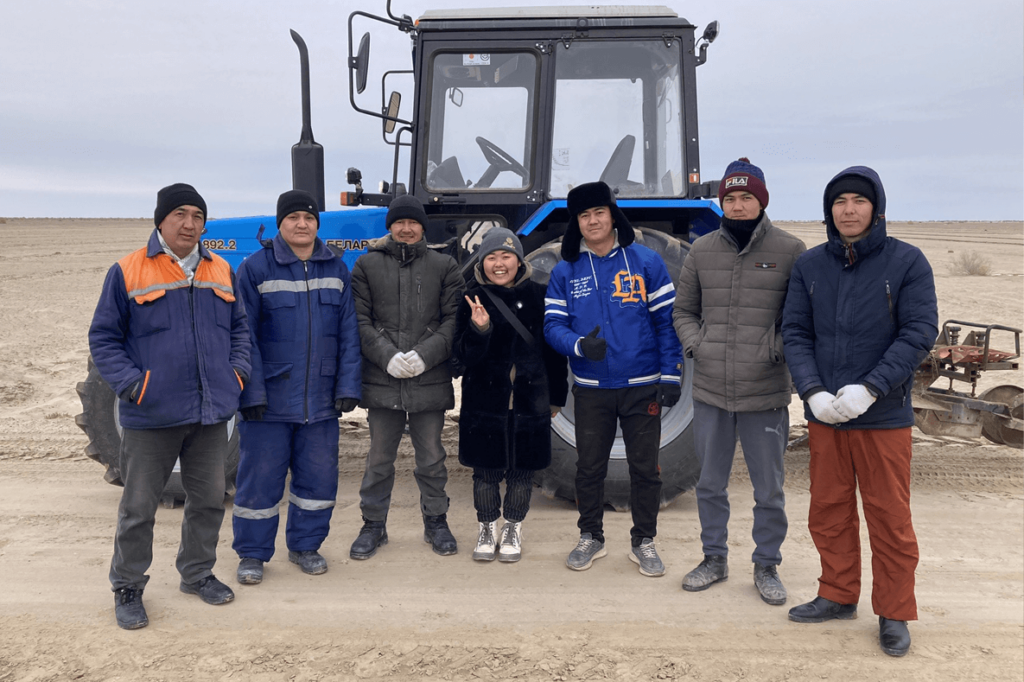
<point>629,288</point>
<point>581,287</point>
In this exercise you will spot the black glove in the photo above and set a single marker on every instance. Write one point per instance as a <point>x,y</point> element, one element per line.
<point>592,347</point>
<point>346,404</point>
<point>669,394</point>
<point>254,413</point>
<point>130,394</point>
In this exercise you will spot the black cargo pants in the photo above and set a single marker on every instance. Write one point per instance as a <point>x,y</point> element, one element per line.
<point>597,411</point>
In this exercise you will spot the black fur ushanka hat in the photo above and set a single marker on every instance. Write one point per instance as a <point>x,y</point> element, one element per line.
<point>582,198</point>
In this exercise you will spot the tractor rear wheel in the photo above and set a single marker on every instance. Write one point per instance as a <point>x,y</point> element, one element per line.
<point>677,459</point>
<point>99,420</point>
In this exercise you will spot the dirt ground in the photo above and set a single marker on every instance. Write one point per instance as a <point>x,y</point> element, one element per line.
<point>408,614</point>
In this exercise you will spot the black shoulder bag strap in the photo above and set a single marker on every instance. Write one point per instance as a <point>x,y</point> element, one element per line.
<point>512,319</point>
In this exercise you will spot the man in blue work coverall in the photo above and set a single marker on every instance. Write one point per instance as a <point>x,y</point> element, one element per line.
<point>305,372</point>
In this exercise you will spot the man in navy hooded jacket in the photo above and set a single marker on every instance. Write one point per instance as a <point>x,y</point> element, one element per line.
<point>860,316</point>
<point>305,371</point>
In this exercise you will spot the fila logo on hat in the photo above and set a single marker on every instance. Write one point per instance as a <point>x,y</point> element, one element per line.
<point>738,181</point>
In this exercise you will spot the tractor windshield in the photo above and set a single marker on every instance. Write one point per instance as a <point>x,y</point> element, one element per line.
<point>618,110</point>
<point>480,133</point>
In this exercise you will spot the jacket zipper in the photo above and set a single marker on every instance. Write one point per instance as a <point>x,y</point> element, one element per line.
<point>888,297</point>
<point>309,342</point>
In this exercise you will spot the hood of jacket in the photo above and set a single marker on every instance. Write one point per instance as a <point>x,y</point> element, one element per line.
<point>876,239</point>
<point>400,251</point>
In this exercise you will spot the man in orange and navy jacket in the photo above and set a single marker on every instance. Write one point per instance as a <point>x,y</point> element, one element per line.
<point>170,337</point>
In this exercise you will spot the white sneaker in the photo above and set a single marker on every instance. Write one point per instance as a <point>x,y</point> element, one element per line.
<point>486,547</point>
<point>511,542</point>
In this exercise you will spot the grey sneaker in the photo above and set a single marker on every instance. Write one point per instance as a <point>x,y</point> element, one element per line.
<point>714,569</point>
<point>250,571</point>
<point>646,556</point>
<point>766,579</point>
<point>486,547</point>
<point>511,542</point>
<point>586,551</point>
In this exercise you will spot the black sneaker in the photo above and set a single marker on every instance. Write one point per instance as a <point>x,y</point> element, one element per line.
<point>210,590</point>
<point>128,609</point>
<point>309,561</point>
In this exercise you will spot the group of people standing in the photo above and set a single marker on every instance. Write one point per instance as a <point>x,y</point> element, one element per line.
<point>293,340</point>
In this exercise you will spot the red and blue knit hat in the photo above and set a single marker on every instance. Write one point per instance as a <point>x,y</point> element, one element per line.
<point>743,176</point>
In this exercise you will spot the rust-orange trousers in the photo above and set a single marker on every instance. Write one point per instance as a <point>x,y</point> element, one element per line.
<point>878,462</point>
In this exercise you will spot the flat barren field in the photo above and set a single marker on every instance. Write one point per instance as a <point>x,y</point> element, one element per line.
<point>408,614</point>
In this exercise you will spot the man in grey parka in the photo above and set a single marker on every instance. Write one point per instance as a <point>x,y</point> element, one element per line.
<point>406,296</point>
<point>727,313</point>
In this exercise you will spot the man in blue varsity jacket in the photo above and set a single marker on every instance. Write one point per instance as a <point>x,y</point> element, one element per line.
<point>609,309</point>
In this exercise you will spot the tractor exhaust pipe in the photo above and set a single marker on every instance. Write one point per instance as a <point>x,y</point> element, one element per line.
<point>307,155</point>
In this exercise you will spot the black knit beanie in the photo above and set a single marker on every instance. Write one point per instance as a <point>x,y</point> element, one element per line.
<point>296,200</point>
<point>406,206</point>
<point>855,184</point>
<point>173,196</point>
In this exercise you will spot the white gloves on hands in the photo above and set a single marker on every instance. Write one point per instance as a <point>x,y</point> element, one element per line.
<point>406,365</point>
<point>416,363</point>
<point>821,406</point>
<point>853,400</point>
<point>399,367</point>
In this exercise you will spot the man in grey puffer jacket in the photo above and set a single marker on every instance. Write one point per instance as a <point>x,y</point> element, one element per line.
<point>406,296</point>
<point>727,313</point>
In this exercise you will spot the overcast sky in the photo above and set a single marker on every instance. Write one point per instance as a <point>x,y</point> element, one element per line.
<point>102,102</point>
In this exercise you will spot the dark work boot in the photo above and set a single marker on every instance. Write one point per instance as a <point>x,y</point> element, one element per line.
<point>819,609</point>
<point>437,533</point>
<point>893,636</point>
<point>372,535</point>
<point>128,608</point>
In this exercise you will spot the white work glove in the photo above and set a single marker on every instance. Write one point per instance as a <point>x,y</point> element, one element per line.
<point>399,367</point>
<point>821,407</point>
<point>853,400</point>
<point>415,363</point>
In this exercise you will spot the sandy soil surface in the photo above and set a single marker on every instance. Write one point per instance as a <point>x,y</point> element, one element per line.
<point>408,614</point>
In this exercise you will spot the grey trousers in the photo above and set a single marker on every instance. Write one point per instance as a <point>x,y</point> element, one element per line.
<point>386,429</point>
<point>763,436</point>
<point>147,460</point>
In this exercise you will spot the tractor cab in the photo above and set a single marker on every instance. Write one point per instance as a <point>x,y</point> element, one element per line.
<point>515,107</point>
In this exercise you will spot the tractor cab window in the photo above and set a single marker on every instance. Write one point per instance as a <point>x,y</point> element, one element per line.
<point>618,118</point>
<point>480,129</point>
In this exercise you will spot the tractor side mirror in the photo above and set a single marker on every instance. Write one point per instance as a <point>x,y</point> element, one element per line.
<point>711,32</point>
<point>361,62</point>
<point>394,102</point>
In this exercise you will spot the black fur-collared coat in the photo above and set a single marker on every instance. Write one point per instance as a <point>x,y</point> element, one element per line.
<point>491,435</point>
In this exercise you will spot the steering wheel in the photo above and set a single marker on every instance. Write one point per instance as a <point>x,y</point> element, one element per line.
<point>500,160</point>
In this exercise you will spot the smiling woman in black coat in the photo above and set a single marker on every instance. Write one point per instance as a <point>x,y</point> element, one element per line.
<point>513,383</point>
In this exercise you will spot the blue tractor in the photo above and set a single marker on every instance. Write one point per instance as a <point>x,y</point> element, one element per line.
<point>513,108</point>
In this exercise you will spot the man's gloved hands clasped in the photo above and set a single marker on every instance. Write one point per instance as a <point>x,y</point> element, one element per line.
<point>669,394</point>
<point>821,406</point>
<point>346,404</point>
<point>416,363</point>
<point>253,413</point>
<point>399,367</point>
<point>592,347</point>
<point>853,400</point>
